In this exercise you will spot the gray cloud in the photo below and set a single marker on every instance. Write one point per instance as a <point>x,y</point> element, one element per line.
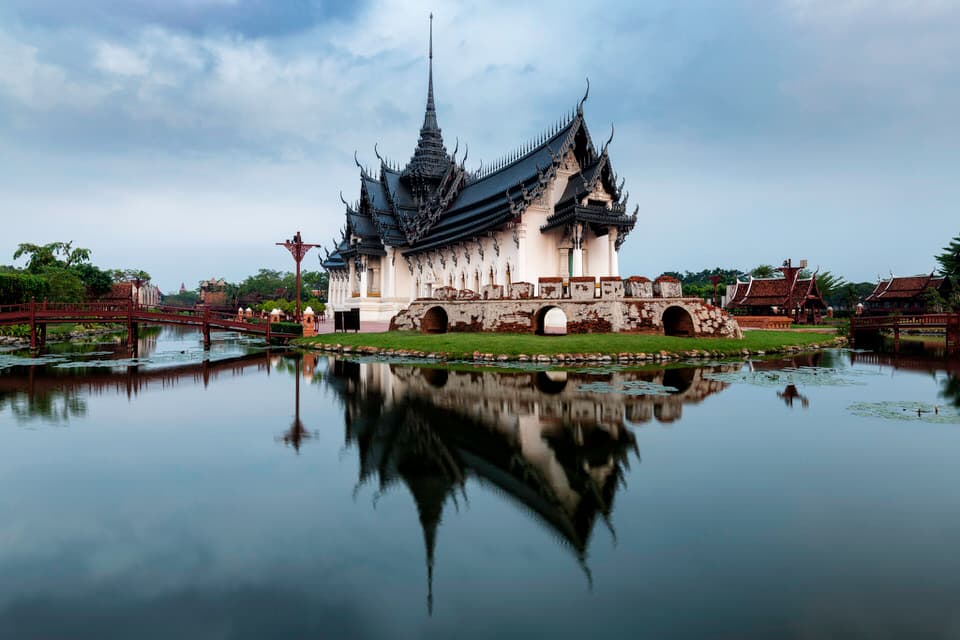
<point>804,128</point>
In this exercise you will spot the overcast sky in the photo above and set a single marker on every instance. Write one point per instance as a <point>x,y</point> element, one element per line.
<point>185,137</point>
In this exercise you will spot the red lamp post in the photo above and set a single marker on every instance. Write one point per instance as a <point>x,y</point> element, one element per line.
<point>298,249</point>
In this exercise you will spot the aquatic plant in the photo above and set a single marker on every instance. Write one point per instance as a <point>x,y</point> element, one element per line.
<point>906,410</point>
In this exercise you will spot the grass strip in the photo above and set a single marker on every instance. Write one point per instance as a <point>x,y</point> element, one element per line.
<point>460,345</point>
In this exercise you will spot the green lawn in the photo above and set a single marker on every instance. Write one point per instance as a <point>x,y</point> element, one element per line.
<point>461,344</point>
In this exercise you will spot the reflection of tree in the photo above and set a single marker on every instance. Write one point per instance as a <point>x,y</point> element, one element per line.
<point>52,406</point>
<point>950,389</point>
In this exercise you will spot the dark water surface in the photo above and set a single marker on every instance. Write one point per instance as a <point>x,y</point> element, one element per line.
<point>262,494</point>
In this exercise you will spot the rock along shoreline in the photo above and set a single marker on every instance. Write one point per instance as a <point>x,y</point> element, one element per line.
<point>568,358</point>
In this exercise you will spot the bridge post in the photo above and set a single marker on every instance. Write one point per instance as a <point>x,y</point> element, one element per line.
<point>131,341</point>
<point>33,324</point>
<point>206,328</point>
<point>953,334</point>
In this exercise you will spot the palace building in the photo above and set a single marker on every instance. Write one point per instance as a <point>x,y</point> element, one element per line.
<point>552,209</point>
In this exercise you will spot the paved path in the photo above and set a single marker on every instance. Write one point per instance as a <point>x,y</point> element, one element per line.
<point>365,327</point>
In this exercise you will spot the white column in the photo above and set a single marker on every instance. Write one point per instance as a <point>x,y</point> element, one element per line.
<point>389,277</point>
<point>578,251</point>
<point>353,276</point>
<point>521,275</point>
<point>363,279</point>
<point>614,267</point>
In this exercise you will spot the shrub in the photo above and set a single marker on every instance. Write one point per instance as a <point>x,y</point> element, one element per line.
<point>16,287</point>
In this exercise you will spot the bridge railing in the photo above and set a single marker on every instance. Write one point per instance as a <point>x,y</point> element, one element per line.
<point>885,322</point>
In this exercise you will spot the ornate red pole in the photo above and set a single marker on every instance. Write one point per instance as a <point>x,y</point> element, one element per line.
<point>298,249</point>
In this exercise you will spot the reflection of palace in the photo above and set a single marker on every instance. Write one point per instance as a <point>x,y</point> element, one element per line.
<point>558,451</point>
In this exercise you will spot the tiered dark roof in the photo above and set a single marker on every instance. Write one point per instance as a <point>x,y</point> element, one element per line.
<point>434,201</point>
<point>776,292</point>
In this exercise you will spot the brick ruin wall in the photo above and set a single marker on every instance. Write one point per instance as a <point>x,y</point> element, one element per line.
<point>615,310</point>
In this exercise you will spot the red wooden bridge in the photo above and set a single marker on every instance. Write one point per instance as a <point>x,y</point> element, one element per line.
<point>871,326</point>
<point>39,314</point>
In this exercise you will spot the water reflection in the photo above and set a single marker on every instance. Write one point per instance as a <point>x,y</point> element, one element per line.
<point>56,389</point>
<point>558,452</point>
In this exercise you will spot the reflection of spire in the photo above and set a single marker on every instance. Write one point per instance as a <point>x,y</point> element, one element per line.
<point>429,493</point>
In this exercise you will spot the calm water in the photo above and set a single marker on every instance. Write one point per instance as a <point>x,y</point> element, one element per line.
<point>267,494</point>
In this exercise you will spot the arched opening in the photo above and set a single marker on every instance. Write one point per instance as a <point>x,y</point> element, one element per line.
<point>551,321</point>
<point>434,321</point>
<point>435,377</point>
<point>476,281</point>
<point>679,379</point>
<point>507,276</point>
<point>492,278</point>
<point>551,381</point>
<point>677,321</point>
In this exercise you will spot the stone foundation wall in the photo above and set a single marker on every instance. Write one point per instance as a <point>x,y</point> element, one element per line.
<point>594,315</point>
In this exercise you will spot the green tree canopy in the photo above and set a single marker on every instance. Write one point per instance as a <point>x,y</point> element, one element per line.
<point>765,271</point>
<point>41,256</point>
<point>949,260</point>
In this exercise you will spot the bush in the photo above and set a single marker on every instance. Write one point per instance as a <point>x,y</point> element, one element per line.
<point>287,327</point>
<point>16,287</point>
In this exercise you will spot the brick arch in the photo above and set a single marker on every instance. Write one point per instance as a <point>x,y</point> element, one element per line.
<point>677,320</point>
<point>541,317</point>
<point>435,320</point>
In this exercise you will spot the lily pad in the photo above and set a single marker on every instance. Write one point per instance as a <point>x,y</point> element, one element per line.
<point>907,411</point>
<point>806,376</point>
<point>630,388</point>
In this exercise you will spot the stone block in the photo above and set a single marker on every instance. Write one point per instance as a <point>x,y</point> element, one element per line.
<point>520,291</point>
<point>638,287</point>
<point>445,293</point>
<point>611,287</point>
<point>667,287</point>
<point>467,294</point>
<point>583,288</point>
<point>492,292</point>
<point>551,288</point>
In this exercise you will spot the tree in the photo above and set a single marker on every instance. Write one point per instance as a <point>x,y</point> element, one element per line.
<point>949,260</point>
<point>130,275</point>
<point>45,255</point>
<point>765,271</point>
<point>97,281</point>
<point>829,284</point>
<point>65,285</point>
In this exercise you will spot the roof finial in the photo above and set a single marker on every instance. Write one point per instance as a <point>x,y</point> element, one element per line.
<point>583,99</point>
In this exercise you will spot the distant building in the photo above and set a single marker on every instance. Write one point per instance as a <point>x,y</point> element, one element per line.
<point>213,292</point>
<point>793,296</point>
<point>144,293</point>
<point>907,295</point>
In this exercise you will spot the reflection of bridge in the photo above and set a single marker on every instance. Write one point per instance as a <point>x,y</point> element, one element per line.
<point>40,380</point>
<point>867,328</point>
<point>39,314</point>
<point>907,362</point>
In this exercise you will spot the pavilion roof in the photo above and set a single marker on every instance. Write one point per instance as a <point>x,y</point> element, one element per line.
<point>903,288</point>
